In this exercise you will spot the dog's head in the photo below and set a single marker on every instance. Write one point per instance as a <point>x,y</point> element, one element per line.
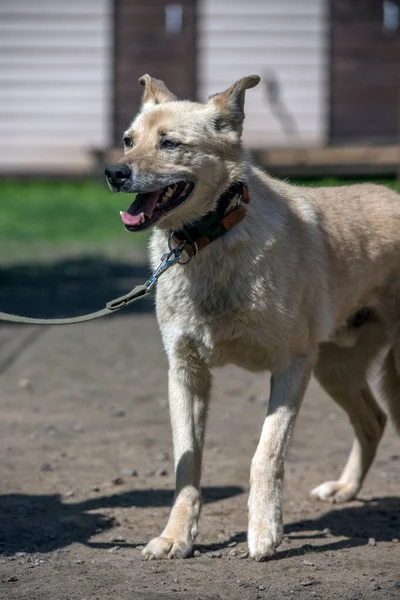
<point>180,156</point>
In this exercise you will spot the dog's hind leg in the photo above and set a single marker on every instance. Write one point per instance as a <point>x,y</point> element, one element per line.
<point>189,389</point>
<point>390,385</point>
<point>342,372</point>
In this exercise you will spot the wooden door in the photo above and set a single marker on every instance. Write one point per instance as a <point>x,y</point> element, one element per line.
<point>155,37</point>
<point>365,71</point>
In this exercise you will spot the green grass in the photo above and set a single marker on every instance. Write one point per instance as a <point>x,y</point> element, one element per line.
<point>67,213</point>
<point>61,212</point>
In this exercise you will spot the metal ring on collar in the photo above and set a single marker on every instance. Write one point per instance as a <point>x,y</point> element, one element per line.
<point>171,248</point>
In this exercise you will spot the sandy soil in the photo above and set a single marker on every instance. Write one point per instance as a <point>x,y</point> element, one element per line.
<point>86,472</point>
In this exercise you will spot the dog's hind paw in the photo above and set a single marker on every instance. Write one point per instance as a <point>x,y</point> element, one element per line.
<point>335,491</point>
<point>163,547</point>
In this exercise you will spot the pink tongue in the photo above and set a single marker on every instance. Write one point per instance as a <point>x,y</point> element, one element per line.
<point>143,203</point>
<point>128,219</point>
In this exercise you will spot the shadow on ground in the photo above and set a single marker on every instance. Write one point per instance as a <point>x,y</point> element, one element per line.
<point>378,518</point>
<point>70,287</point>
<point>44,523</point>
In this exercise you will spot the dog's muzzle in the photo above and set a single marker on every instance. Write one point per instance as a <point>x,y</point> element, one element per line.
<point>117,175</point>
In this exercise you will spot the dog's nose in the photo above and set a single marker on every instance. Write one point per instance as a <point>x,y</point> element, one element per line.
<point>117,174</point>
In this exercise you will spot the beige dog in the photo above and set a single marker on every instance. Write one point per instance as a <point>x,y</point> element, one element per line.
<point>296,281</point>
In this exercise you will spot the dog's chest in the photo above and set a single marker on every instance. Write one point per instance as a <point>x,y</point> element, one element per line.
<point>231,320</point>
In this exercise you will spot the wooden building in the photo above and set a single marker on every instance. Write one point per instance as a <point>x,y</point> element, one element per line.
<point>68,73</point>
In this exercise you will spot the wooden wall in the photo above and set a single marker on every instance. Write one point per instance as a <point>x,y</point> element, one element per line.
<point>286,43</point>
<point>55,84</point>
<point>365,74</point>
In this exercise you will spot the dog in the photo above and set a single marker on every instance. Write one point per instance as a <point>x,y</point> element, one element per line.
<point>277,277</point>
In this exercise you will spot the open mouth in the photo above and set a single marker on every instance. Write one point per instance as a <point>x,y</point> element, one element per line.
<point>147,208</point>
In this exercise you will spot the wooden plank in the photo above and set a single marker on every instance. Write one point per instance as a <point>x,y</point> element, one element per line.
<point>251,61</point>
<point>72,139</point>
<point>66,108</point>
<point>27,8</point>
<point>238,23</point>
<point>329,156</point>
<point>49,40</point>
<point>262,40</point>
<point>88,58</point>
<point>37,76</point>
<point>89,25</point>
<point>46,161</point>
<point>263,8</point>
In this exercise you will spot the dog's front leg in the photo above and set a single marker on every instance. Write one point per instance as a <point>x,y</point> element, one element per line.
<point>189,389</point>
<point>266,477</point>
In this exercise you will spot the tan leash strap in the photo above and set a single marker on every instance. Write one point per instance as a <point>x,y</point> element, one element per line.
<point>111,307</point>
<point>167,260</point>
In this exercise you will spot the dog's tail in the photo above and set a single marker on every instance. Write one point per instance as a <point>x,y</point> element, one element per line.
<point>390,385</point>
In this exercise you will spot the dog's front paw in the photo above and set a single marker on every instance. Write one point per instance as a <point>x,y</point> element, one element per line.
<point>263,539</point>
<point>335,491</point>
<point>164,547</point>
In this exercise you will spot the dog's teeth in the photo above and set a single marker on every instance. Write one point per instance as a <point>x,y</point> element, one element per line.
<point>142,217</point>
<point>168,193</point>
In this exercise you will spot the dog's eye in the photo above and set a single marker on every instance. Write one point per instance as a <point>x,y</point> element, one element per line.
<point>128,143</point>
<point>170,144</point>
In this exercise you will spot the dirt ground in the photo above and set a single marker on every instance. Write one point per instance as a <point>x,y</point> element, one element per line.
<point>86,472</point>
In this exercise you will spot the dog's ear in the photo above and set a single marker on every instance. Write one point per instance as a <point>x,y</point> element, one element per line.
<point>155,91</point>
<point>230,104</point>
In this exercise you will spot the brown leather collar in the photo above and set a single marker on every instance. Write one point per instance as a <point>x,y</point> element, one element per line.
<point>214,224</point>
